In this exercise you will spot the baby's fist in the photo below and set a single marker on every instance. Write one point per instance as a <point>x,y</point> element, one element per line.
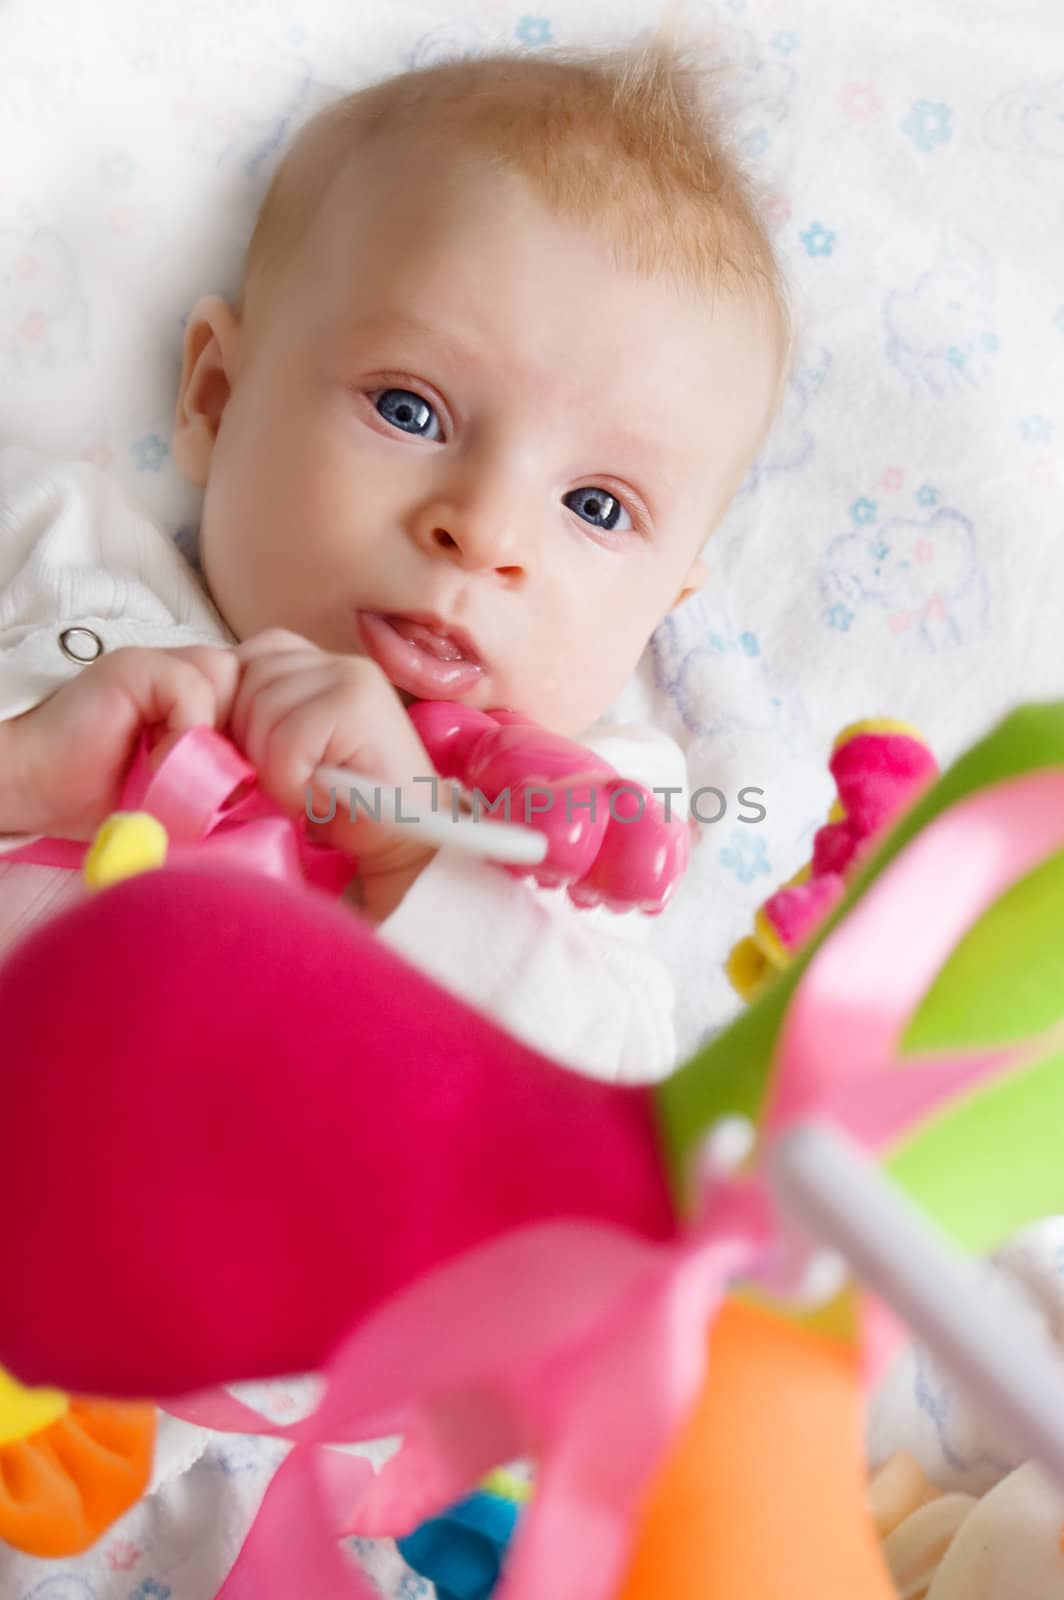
<point>297,708</point>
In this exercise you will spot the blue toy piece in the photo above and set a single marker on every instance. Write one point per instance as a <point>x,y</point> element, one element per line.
<point>462,1550</point>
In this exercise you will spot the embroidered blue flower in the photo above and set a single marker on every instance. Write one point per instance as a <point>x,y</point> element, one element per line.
<point>534,30</point>
<point>880,549</point>
<point>1037,428</point>
<point>956,356</point>
<point>786,42</point>
<point>818,240</point>
<point>150,452</point>
<point>748,644</point>
<point>863,510</point>
<point>990,341</point>
<point>840,616</point>
<point>1059,318</point>
<point>926,496</point>
<point>735,5</point>
<point>928,123</point>
<point>151,1590</point>
<point>746,856</point>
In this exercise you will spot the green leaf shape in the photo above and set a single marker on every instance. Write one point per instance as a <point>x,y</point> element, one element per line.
<point>1005,980</point>
<point>991,1163</point>
<point>730,1075</point>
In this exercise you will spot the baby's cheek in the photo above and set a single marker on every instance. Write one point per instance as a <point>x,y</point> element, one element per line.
<point>582,686</point>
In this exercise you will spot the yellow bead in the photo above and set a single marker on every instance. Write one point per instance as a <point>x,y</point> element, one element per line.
<point>748,969</point>
<point>128,842</point>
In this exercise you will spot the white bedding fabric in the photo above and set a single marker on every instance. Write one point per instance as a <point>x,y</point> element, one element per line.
<point>896,549</point>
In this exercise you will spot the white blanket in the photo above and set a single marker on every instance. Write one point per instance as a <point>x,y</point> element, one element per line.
<point>897,548</point>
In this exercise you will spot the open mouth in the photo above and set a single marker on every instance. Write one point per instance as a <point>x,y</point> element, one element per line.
<point>421,654</point>
<point>441,642</point>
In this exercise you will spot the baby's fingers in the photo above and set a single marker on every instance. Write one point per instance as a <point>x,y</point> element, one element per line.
<point>262,704</point>
<point>175,689</point>
<point>274,642</point>
<point>221,668</point>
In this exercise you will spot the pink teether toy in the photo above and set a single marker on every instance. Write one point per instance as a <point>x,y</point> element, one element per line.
<point>609,840</point>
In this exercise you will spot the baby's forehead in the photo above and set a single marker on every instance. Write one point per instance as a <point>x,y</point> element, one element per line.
<point>485,274</point>
<point>433,236</point>
<point>620,144</point>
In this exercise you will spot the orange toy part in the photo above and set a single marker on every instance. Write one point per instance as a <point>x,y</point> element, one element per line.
<point>61,1488</point>
<point>765,1496</point>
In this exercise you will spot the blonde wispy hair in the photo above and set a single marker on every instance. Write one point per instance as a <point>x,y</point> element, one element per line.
<point>626,143</point>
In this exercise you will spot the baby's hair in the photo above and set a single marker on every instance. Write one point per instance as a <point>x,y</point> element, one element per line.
<point>621,142</point>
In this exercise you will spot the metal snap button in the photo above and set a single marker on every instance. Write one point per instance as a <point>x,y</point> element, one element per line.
<point>80,644</point>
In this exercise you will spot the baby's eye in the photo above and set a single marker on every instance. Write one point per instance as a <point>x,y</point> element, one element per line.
<point>602,510</point>
<point>406,410</point>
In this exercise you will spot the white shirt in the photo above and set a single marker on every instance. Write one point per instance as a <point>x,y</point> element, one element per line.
<point>582,986</point>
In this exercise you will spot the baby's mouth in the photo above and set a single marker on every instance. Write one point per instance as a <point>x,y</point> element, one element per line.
<point>441,645</point>
<point>423,655</point>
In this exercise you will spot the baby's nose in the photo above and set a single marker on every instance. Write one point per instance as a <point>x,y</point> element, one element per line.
<point>496,553</point>
<point>477,537</point>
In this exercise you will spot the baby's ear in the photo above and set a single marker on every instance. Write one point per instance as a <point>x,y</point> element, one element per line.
<point>692,583</point>
<point>211,334</point>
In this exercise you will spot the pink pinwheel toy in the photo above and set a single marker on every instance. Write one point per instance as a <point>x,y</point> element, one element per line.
<point>497,1258</point>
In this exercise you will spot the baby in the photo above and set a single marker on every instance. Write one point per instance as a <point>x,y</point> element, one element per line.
<point>509,337</point>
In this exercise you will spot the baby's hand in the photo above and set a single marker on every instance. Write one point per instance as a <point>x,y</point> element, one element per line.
<point>297,708</point>
<point>63,764</point>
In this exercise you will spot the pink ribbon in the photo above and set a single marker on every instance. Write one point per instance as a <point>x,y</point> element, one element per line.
<point>592,1367</point>
<point>206,796</point>
<point>838,1051</point>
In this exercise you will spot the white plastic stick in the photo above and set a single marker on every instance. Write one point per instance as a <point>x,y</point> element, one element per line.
<point>830,1188</point>
<point>492,841</point>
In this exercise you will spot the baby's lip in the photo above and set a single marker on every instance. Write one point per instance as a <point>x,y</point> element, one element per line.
<point>420,653</point>
<point>443,639</point>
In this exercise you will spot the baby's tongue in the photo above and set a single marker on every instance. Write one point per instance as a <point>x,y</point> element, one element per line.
<point>417,633</point>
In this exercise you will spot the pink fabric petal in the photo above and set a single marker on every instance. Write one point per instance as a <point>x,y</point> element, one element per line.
<point>882,1108</point>
<point>612,1411</point>
<point>849,1013</point>
<point>292,1550</point>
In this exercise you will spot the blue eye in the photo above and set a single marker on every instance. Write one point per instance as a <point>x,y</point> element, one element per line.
<point>595,506</point>
<point>407,411</point>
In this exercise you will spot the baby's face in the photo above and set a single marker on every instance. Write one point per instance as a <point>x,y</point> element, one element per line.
<point>461,409</point>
